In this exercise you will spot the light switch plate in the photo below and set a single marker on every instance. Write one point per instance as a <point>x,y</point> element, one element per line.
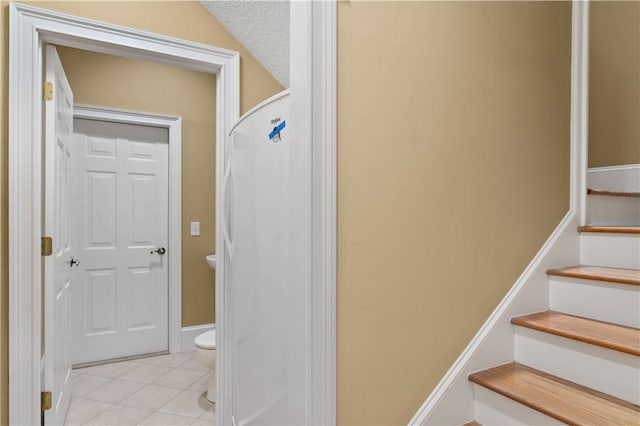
<point>195,229</point>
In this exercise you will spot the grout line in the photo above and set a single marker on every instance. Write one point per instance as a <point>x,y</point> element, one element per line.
<point>91,418</point>
<point>179,390</point>
<point>146,417</point>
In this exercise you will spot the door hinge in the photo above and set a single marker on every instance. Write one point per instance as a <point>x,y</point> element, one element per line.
<point>45,400</point>
<point>47,246</point>
<point>47,91</point>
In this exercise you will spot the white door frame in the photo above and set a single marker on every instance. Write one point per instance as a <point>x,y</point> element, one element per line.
<point>30,28</point>
<point>174,245</point>
<point>313,32</point>
<point>313,63</point>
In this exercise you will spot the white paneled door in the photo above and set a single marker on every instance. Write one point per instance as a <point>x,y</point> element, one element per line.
<point>120,186</point>
<point>59,278</point>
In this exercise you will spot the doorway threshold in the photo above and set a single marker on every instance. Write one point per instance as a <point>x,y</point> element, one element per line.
<point>114,360</point>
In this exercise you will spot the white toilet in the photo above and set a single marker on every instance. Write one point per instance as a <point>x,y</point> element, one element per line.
<point>206,356</point>
<point>206,348</point>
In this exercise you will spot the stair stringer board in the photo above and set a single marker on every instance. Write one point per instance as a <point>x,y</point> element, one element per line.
<point>451,402</point>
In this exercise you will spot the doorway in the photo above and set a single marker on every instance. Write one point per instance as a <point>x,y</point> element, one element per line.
<point>313,78</point>
<point>140,85</point>
<point>112,201</point>
<point>31,28</point>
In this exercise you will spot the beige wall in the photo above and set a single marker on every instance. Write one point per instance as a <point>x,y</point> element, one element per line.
<point>105,80</point>
<point>451,175</point>
<point>453,169</point>
<point>614,83</point>
<point>183,19</point>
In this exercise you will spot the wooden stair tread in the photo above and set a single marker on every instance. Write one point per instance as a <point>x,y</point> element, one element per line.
<point>611,336</point>
<point>473,423</point>
<point>563,400</point>
<point>592,191</point>
<point>599,273</point>
<point>611,229</point>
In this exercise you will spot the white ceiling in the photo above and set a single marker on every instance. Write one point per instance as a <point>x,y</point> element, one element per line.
<point>262,27</point>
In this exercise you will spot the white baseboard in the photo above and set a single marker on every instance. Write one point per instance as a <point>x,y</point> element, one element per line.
<point>190,333</point>
<point>615,178</point>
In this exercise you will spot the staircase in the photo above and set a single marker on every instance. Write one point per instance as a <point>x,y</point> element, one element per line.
<point>579,362</point>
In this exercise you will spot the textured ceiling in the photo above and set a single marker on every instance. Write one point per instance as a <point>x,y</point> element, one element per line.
<point>262,27</point>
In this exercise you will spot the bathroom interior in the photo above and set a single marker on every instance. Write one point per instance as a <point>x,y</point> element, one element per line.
<point>140,380</point>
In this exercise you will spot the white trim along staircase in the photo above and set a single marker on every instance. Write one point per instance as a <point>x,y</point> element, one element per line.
<point>573,359</point>
<point>578,363</point>
<point>563,346</point>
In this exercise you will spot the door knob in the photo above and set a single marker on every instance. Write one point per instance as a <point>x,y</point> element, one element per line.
<point>74,262</point>
<point>160,250</point>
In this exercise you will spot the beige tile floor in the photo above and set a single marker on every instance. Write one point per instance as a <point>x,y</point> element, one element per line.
<point>161,390</point>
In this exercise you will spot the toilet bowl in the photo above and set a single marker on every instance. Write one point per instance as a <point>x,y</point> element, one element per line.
<point>206,355</point>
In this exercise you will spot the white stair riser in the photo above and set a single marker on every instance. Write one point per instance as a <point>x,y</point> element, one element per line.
<point>616,178</point>
<point>605,370</point>
<point>610,302</point>
<point>608,210</point>
<point>491,408</point>
<point>612,250</point>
